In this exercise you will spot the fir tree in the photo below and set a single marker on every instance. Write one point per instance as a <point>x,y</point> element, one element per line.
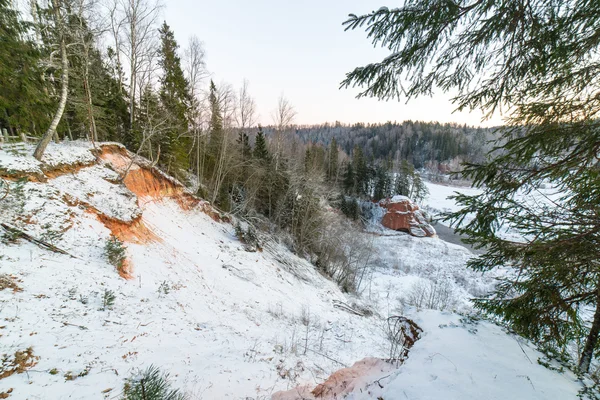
<point>543,75</point>
<point>260,146</point>
<point>243,142</point>
<point>361,172</point>
<point>24,104</point>
<point>418,191</point>
<point>176,99</point>
<point>382,184</point>
<point>332,160</point>
<point>215,128</point>
<point>404,177</point>
<point>349,179</point>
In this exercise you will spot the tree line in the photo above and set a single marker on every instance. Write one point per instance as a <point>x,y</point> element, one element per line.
<point>439,147</point>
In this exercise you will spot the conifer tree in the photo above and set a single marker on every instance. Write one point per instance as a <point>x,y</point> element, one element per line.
<point>176,99</point>
<point>349,179</point>
<point>23,102</point>
<point>243,142</point>
<point>332,160</point>
<point>382,184</point>
<point>361,172</point>
<point>403,181</point>
<point>418,190</point>
<point>538,60</point>
<point>260,146</point>
<point>215,128</point>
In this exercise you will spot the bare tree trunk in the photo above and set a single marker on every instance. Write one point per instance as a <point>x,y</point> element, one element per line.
<point>132,61</point>
<point>220,173</point>
<point>10,129</point>
<point>92,120</point>
<point>69,130</point>
<point>116,27</point>
<point>592,339</point>
<point>41,147</point>
<point>85,43</point>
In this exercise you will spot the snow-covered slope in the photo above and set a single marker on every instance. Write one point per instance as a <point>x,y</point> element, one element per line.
<point>224,322</point>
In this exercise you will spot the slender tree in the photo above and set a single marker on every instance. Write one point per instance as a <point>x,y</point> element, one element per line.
<point>60,34</point>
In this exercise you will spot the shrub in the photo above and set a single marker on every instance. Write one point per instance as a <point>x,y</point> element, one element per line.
<point>248,237</point>
<point>108,299</point>
<point>164,288</point>
<point>433,295</point>
<point>115,252</point>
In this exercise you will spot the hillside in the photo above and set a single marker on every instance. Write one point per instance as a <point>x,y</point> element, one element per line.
<point>224,322</point>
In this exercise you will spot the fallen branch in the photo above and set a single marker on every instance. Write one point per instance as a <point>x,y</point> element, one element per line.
<point>78,326</point>
<point>19,233</point>
<point>4,188</point>
<point>346,307</point>
<point>327,357</point>
<point>380,379</point>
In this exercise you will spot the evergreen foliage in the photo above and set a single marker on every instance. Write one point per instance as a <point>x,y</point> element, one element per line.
<point>424,144</point>
<point>332,161</point>
<point>151,384</point>
<point>108,299</point>
<point>115,252</point>
<point>176,99</point>
<point>24,103</point>
<point>243,142</point>
<point>538,60</point>
<point>215,132</point>
<point>261,151</point>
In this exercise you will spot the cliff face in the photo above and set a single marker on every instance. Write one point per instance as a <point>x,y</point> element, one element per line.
<point>404,215</point>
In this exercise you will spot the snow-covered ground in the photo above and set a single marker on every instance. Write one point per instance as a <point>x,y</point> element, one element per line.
<point>224,322</point>
<point>439,200</point>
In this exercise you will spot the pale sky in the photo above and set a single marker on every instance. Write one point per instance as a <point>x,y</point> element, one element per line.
<point>300,49</point>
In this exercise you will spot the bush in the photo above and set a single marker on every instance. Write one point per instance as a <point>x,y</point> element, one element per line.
<point>115,252</point>
<point>108,299</point>
<point>248,237</point>
<point>433,295</point>
<point>151,384</point>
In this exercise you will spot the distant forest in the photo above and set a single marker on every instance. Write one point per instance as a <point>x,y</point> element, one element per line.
<point>431,145</point>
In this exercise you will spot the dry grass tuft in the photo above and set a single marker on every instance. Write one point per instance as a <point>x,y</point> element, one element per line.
<point>9,282</point>
<point>18,363</point>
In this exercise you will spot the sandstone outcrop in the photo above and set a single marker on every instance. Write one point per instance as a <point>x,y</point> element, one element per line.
<point>404,215</point>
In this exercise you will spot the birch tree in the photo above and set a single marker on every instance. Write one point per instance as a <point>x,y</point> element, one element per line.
<point>60,33</point>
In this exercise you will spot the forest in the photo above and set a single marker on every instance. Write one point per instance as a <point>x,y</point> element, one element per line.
<point>112,71</point>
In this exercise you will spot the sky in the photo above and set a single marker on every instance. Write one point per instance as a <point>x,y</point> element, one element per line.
<point>299,49</point>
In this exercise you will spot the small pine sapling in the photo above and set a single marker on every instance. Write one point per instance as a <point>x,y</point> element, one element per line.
<point>164,288</point>
<point>151,384</point>
<point>108,299</point>
<point>115,252</point>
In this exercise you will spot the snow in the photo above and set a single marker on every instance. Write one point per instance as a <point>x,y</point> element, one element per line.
<point>482,362</point>
<point>399,198</point>
<point>231,324</point>
<point>438,200</point>
<point>18,157</point>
